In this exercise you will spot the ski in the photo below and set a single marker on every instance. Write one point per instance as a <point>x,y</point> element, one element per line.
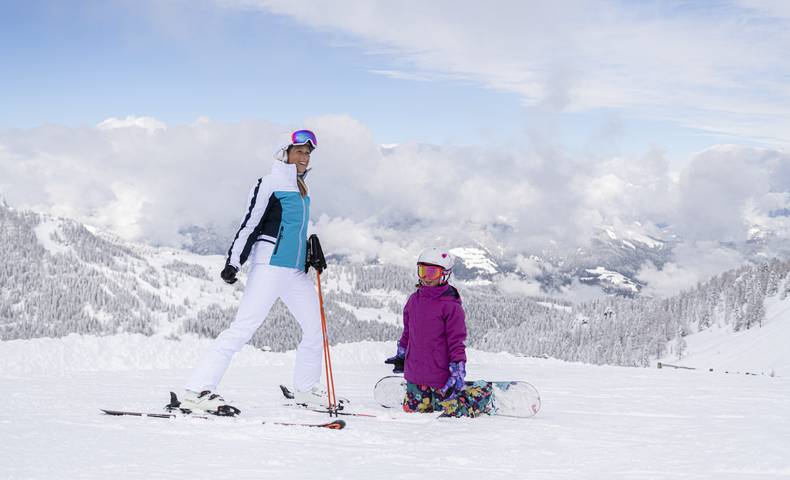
<point>333,425</point>
<point>119,413</point>
<point>330,412</point>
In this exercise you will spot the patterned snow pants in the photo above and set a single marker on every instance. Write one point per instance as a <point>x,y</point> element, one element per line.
<point>472,401</point>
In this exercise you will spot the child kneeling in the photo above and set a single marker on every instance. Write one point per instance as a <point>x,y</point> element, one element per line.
<point>431,352</point>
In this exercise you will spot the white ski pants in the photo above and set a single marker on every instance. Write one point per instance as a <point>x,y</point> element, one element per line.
<point>265,284</point>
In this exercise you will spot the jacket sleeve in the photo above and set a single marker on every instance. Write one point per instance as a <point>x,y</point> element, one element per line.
<point>404,338</point>
<point>455,327</point>
<point>246,235</point>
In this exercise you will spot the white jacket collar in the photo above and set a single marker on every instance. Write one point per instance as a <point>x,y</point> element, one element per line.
<point>284,171</point>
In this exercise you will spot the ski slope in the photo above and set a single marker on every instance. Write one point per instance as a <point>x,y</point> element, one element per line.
<point>761,350</point>
<point>596,422</point>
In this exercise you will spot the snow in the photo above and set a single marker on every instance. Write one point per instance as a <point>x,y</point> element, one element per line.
<point>370,314</point>
<point>759,350</point>
<point>475,258</point>
<point>643,239</point>
<point>630,236</point>
<point>596,422</point>
<point>616,279</point>
<point>44,231</point>
<point>556,306</point>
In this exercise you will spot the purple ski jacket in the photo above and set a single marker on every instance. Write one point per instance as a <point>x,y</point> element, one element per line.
<point>434,332</point>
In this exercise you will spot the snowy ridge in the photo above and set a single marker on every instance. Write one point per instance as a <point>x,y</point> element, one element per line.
<point>629,236</point>
<point>613,279</point>
<point>476,259</point>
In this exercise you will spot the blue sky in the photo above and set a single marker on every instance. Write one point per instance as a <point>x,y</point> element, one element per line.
<point>78,66</point>
<point>444,80</point>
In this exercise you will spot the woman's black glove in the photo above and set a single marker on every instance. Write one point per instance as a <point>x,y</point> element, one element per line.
<point>315,255</point>
<point>229,274</point>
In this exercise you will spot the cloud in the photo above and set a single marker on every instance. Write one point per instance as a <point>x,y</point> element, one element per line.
<point>694,262</point>
<point>149,124</point>
<point>514,285</point>
<point>727,188</point>
<point>374,203</point>
<point>722,70</point>
<point>135,182</point>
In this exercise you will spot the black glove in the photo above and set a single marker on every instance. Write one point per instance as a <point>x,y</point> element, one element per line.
<point>315,256</point>
<point>229,274</point>
<point>397,360</point>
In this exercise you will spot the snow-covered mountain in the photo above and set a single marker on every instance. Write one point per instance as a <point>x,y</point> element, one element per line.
<point>60,277</point>
<point>611,262</point>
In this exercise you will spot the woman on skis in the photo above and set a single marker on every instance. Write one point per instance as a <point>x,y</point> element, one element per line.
<point>431,351</point>
<point>273,236</point>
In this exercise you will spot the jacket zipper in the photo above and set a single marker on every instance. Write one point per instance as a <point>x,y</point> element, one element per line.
<point>279,237</point>
<point>301,236</point>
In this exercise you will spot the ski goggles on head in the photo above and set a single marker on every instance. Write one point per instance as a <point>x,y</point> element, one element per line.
<point>429,272</point>
<point>302,137</point>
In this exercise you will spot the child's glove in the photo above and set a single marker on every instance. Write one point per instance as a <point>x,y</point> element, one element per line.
<point>397,360</point>
<point>456,381</point>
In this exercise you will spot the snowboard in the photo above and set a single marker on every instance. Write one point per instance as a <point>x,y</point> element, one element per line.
<point>511,398</point>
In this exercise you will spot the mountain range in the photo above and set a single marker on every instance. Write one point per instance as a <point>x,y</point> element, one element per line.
<point>60,277</point>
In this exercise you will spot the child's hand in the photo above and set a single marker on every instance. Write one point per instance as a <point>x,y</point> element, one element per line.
<point>398,360</point>
<point>456,381</point>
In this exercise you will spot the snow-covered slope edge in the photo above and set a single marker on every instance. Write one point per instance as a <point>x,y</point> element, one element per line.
<point>759,350</point>
<point>130,352</point>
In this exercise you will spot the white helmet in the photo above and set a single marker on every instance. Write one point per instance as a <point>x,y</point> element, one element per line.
<point>438,257</point>
<point>281,154</point>
<point>299,137</point>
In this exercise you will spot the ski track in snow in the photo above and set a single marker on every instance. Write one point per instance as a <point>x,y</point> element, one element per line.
<point>596,422</point>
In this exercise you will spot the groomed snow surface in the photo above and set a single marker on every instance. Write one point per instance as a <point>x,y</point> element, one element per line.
<point>596,422</point>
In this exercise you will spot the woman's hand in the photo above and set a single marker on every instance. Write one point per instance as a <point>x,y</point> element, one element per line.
<point>229,274</point>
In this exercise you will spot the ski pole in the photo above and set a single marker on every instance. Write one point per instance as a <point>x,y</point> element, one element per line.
<point>330,380</point>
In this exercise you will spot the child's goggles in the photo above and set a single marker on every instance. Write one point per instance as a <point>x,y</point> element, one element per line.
<point>301,137</point>
<point>429,272</point>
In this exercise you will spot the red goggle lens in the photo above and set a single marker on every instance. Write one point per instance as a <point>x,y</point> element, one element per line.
<point>429,272</point>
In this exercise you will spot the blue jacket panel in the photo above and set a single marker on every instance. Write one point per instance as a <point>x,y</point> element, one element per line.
<point>290,248</point>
